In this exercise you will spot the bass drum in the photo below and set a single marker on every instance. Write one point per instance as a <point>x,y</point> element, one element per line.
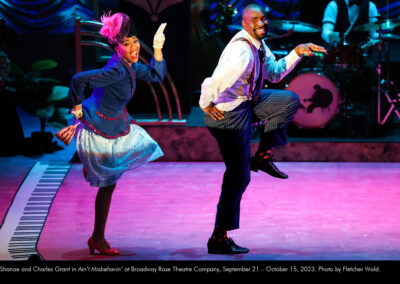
<point>319,99</point>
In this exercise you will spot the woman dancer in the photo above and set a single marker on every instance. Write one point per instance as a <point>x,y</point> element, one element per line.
<point>108,144</point>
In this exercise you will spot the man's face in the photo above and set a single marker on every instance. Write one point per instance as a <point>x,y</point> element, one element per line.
<point>255,23</point>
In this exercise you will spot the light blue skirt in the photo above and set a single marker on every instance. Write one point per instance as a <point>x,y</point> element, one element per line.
<point>106,159</point>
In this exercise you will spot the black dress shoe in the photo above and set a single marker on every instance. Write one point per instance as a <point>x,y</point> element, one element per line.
<point>267,166</point>
<point>225,247</point>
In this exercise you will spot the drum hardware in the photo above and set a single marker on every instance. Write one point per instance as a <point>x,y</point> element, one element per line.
<point>344,57</point>
<point>322,99</point>
<point>347,107</point>
<point>379,72</point>
<point>275,36</point>
<point>390,91</point>
<point>295,26</point>
<point>371,43</point>
<point>320,104</point>
<point>382,25</point>
<point>324,92</point>
<point>390,37</point>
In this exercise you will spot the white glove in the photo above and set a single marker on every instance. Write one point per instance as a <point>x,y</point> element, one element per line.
<point>159,37</point>
<point>77,112</point>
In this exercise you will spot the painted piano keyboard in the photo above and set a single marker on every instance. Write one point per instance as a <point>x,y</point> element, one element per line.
<point>25,218</point>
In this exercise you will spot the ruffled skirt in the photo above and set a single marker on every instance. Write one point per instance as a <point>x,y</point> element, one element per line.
<point>106,159</point>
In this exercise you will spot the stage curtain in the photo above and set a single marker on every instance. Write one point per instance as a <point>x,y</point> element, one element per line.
<point>43,16</point>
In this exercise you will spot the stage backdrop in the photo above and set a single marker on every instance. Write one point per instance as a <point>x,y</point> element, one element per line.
<point>44,29</point>
<point>148,15</point>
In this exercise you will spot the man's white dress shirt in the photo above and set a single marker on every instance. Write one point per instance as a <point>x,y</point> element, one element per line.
<point>229,85</point>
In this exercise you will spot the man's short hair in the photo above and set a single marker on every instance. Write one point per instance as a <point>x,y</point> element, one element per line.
<point>252,6</point>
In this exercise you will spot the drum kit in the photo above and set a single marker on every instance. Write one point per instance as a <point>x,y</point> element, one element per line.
<point>324,89</point>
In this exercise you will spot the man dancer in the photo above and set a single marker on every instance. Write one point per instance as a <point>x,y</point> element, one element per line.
<point>229,98</point>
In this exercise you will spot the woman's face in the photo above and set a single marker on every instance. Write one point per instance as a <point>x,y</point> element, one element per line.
<point>129,49</point>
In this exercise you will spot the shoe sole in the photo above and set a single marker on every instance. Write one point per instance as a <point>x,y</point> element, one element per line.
<point>226,253</point>
<point>210,251</point>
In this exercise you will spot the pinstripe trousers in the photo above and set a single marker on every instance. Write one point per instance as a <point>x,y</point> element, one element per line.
<point>233,134</point>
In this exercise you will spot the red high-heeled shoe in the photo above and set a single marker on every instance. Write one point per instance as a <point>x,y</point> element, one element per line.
<point>84,172</point>
<point>95,245</point>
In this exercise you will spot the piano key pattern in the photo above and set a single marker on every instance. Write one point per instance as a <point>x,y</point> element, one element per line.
<point>24,221</point>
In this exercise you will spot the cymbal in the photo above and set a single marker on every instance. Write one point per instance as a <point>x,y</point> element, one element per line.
<point>390,36</point>
<point>385,25</point>
<point>295,25</point>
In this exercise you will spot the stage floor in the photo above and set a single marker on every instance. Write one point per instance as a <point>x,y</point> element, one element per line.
<point>166,211</point>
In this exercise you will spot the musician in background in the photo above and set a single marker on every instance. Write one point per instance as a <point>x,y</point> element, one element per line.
<point>351,45</point>
<point>339,15</point>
